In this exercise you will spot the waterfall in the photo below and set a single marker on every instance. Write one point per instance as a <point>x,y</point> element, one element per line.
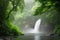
<point>37,25</point>
<point>30,5</point>
<point>36,29</point>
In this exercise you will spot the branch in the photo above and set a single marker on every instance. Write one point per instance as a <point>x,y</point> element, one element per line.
<point>13,9</point>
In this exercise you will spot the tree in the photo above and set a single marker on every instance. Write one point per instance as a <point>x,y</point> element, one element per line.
<point>7,28</point>
<point>52,8</point>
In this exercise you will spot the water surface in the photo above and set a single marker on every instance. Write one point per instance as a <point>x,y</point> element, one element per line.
<point>37,37</point>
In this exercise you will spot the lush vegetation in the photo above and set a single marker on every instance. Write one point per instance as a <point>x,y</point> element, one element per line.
<point>7,9</point>
<point>52,10</point>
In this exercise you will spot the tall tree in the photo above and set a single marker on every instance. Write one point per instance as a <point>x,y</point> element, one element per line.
<point>7,28</point>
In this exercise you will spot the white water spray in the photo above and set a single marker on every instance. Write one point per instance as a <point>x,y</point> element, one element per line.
<point>37,25</point>
<point>36,29</point>
<point>38,22</point>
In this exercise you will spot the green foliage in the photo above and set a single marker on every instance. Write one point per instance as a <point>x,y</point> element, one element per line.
<point>52,8</point>
<point>46,6</point>
<point>57,29</point>
<point>14,6</point>
<point>9,29</point>
<point>7,9</point>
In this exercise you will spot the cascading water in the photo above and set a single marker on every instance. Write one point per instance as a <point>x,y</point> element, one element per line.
<point>36,29</point>
<point>37,25</point>
<point>28,5</point>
